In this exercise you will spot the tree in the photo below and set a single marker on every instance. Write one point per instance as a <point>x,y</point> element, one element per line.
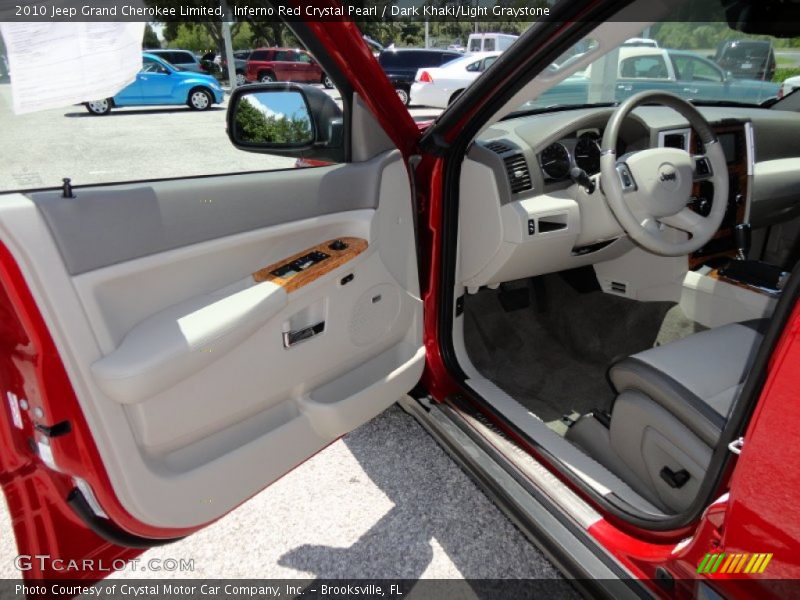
<point>254,126</point>
<point>150,40</point>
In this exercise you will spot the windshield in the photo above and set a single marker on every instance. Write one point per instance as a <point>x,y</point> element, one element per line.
<point>704,62</point>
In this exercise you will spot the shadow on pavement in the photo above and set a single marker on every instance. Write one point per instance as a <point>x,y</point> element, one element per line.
<point>122,112</point>
<point>434,503</point>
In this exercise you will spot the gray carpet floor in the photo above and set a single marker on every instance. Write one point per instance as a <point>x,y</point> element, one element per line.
<point>553,358</point>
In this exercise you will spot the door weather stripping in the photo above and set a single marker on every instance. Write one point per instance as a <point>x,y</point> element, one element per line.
<point>106,529</point>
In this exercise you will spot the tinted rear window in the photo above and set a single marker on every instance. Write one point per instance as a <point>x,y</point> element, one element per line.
<point>260,55</point>
<point>411,59</point>
<point>181,58</point>
<point>744,51</point>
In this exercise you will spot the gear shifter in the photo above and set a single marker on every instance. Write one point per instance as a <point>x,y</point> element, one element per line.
<point>741,235</point>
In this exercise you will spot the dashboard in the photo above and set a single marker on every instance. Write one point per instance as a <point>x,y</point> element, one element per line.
<point>580,149</point>
<point>522,214</point>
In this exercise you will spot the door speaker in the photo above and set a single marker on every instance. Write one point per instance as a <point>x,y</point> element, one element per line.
<point>374,314</point>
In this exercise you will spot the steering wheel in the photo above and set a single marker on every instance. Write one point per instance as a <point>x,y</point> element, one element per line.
<point>651,188</point>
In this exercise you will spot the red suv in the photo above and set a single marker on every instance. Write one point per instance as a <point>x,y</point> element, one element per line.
<point>284,64</point>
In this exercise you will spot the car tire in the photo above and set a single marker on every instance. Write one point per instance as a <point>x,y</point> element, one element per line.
<point>99,107</point>
<point>200,99</point>
<point>403,94</point>
<point>453,98</point>
<point>241,79</point>
<point>327,82</point>
<point>266,77</point>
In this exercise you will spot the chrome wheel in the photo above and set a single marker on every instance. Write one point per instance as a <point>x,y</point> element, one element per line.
<point>266,78</point>
<point>403,95</point>
<point>199,100</point>
<point>99,107</point>
<point>240,79</point>
<point>326,81</point>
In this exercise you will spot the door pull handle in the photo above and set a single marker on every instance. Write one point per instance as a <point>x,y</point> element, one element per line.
<point>290,338</point>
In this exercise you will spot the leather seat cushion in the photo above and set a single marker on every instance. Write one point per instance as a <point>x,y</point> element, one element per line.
<point>696,378</point>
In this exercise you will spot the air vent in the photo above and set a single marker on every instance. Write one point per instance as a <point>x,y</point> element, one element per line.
<point>499,147</point>
<point>519,177</point>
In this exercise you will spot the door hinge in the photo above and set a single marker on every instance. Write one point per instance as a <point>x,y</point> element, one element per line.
<point>736,446</point>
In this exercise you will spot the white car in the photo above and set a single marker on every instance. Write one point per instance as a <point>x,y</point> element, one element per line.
<point>439,86</point>
<point>789,85</point>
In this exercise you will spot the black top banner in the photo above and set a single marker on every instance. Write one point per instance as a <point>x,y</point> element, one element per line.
<point>368,10</point>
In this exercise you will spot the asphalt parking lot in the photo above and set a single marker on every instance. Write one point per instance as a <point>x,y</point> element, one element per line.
<point>383,502</point>
<point>129,144</point>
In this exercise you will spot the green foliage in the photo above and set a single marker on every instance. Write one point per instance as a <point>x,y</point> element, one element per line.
<point>706,36</point>
<point>190,36</point>
<point>254,126</point>
<point>150,40</point>
<point>782,74</point>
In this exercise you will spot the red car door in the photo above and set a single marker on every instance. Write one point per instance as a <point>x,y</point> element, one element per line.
<point>760,536</point>
<point>307,70</point>
<point>285,67</point>
<point>81,478</point>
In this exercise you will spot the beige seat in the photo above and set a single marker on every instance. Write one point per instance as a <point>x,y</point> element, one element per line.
<point>673,402</point>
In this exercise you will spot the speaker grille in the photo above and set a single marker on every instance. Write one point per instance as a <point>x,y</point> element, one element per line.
<point>374,314</point>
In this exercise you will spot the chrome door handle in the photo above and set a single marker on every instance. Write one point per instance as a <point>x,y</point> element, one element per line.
<point>290,338</point>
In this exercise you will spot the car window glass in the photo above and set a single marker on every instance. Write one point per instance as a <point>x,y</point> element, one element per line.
<point>152,132</point>
<point>690,68</point>
<point>475,45</point>
<point>260,55</point>
<point>489,62</point>
<point>474,67</point>
<point>488,45</point>
<point>151,66</point>
<point>644,67</point>
<point>282,55</point>
<point>302,57</point>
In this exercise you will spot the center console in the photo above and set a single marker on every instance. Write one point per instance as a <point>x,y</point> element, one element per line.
<point>736,139</point>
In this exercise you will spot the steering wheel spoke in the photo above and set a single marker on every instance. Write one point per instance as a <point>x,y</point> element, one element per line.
<point>702,167</point>
<point>686,220</point>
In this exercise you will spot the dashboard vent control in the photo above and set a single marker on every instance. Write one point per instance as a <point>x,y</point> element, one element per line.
<point>498,147</point>
<point>519,176</point>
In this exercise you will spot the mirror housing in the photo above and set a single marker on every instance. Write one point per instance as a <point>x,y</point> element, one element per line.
<point>315,129</point>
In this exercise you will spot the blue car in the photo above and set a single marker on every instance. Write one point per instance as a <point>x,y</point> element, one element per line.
<point>680,72</point>
<point>160,83</point>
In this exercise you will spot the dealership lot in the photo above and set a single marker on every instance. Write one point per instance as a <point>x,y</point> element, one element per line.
<point>385,501</point>
<point>127,145</point>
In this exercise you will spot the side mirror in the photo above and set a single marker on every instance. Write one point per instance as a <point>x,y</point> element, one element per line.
<point>287,119</point>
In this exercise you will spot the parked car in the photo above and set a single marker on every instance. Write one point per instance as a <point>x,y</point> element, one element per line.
<point>284,64</point>
<point>489,42</point>
<point>439,86</point>
<point>643,42</point>
<point>789,85</point>
<point>240,58</point>
<point>678,71</point>
<point>183,59</point>
<point>747,59</point>
<point>401,65</point>
<point>160,83</point>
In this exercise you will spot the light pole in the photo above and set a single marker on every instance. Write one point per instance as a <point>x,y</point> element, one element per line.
<point>226,38</point>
